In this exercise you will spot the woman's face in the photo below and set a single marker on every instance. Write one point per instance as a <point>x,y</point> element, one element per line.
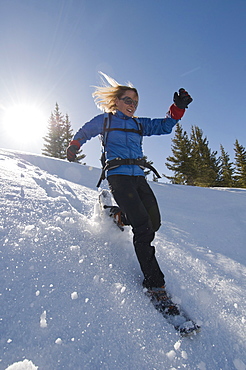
<point>128,103</point>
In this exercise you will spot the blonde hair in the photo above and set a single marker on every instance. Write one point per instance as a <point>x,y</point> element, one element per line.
<point>105,96</point>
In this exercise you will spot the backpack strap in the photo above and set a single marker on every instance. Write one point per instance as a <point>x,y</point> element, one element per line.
<point>104,135</point>
<point>106,128</point>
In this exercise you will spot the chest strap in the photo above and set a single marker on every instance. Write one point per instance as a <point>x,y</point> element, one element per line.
<point>114,163</point>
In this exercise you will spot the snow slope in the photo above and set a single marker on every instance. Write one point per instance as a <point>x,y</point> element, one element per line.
<point>70,293</point>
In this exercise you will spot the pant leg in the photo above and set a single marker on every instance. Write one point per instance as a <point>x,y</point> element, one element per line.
<point>136,199</point>
<point>150,203</point>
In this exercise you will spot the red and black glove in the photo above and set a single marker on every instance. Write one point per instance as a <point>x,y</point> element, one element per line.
<point>72,150</point>
<point>181,101</point>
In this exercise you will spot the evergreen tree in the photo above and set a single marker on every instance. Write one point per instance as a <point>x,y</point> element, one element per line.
<point>59,135</point>
<point>226,170</point>
<point>240,165</point>
<point>67,135</point>
<point>180,161</point>
<point>205,164</point>
<point>54,146</point>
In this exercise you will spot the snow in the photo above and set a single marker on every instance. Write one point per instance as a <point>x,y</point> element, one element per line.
<point>22,365</point>
<point>71,295</point>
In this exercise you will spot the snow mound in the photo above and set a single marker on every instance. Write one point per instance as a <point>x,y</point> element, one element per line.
<point>22,365</point>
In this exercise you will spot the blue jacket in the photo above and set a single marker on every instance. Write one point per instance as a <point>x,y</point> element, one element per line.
<point>121,144</point>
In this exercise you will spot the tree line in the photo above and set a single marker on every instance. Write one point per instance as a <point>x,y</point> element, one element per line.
<point>192,161</point>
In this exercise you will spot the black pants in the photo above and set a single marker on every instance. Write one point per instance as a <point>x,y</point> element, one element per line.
<point>137,201</point>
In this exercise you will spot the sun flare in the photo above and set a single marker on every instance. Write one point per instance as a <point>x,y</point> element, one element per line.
<point>22,122</point>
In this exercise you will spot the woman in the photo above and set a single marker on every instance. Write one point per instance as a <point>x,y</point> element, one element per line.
<point>127,180</point>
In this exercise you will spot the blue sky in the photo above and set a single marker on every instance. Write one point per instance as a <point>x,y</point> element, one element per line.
<point>52,50</point>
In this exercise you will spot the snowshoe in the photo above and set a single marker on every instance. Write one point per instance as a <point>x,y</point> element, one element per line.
<point>172,312</point>
<point>107,207</point>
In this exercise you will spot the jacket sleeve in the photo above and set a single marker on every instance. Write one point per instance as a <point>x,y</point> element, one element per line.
<point>157,126</point>
<point>90,129</point>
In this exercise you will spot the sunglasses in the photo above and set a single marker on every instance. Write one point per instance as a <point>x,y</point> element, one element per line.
<point>129,101</point>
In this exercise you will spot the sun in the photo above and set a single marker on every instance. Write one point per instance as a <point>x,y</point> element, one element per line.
<point>23,122</point>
